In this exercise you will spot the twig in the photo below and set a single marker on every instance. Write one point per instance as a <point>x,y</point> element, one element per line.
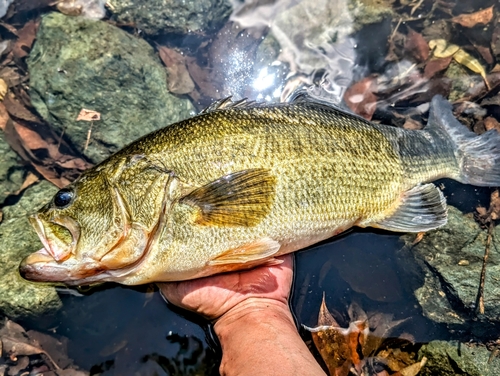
<point>88,136</point>
<point>480,293</point>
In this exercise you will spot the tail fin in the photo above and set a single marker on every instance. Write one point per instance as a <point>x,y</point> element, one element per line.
<point>478,155</point>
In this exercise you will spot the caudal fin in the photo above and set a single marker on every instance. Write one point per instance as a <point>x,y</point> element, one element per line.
<point>478,155</point>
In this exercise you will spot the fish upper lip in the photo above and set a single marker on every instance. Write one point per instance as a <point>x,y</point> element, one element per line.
<point>55,252</point>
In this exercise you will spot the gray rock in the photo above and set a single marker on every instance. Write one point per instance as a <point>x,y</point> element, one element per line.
<point>450,260</point>
<point>167,16</point>
<point>78,63</point>
<point>11,171</point>
<point>454,358</point>
<point>19,298</point>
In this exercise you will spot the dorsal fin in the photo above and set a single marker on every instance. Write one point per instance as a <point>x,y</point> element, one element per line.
<point>225,103</point>
<point>304,97</point>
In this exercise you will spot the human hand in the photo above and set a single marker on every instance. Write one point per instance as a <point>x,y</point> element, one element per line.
<point>216,295</point>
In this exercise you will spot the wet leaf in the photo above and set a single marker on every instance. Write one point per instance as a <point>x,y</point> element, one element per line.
<point>435,66</point>
<point>22,362</point>
<point>491,123</point>
<point>352,350</point>
<point>18,110</point>
<point>26,37</point>
<point>416,46</point>
<point>179,80</point>
<point>360,97</point>
<point>479,18</point>
<point>88,115</point>
<point>28,181</point>
<point>442,49</point>
<point>486,216</point>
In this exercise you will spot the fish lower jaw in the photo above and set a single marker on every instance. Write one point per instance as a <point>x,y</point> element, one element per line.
<point>42,267</point>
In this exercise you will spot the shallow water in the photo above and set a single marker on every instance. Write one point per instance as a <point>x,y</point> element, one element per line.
<point>114,329</point>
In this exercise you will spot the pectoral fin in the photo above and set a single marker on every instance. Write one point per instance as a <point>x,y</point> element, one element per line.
<point>423,208</point>
<point>248,253</point>
<point>242,198</point>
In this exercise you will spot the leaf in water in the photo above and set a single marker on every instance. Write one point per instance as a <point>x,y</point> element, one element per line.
<point>479,18</point>
<point>360,97</point>
<point>442,49</point>
<point>416,46</point>
<point>435,66</point>
<point>26,37</point>
<point>22,362</point>
<point>364,344</point>
<point>28,181</point>
<point>179,80</point>
<point>88,115</point>
<point>18,110</point>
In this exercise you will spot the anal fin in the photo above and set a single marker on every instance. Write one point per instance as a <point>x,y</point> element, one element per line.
<point>422,208</point>
<point>248,253</point>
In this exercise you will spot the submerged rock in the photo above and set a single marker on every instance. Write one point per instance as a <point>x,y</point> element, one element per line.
<point>78,63</point>
<point>165,16</point>
<point>11,171</point>
<point>454,358</point>
<point>450,261</point>
<point>19,298</point>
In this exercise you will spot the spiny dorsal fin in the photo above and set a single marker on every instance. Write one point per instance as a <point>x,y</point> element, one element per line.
<point>423,208</point>
<point>242,198</point>
<point>225,103</point>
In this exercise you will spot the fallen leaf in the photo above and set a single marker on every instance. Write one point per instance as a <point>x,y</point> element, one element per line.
<point>28,181</point>
<point>479,18</point>
<point>21,363</point>
<point>4,117</point>
<point>179,80</point>
<point>491,123</point>
<point>435,66</point>
<point>26,37</point>
<point>17,110</point>
<point>360,97</point>
<point>9,27</point>
<point>416,46</point>
<point>88,115</point>
<point>348,351</point>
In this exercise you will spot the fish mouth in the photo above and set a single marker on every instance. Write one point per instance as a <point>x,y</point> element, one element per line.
<point>56,262</point>
<point>59,249</point>
<point>41,266</point>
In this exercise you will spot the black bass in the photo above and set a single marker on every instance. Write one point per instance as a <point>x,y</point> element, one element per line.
<point>242,183</point>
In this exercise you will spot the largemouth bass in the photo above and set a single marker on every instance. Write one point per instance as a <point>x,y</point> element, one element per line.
<point>242,183</point>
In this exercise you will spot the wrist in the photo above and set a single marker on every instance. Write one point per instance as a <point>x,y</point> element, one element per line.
<point>255,310</point>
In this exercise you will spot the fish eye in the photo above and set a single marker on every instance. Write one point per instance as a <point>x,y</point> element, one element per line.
<point>63,198</point>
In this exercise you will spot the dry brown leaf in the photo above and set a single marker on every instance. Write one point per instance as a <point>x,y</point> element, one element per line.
<point>88,115</point>
<point>26,37</point>
<point>479,18</point>
<point>360,97</point>
<point>179,80</point>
